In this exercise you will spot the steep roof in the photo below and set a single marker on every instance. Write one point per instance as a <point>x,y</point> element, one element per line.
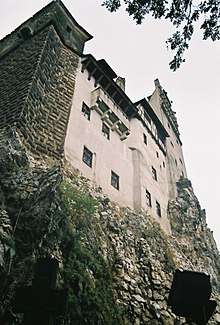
<point>166,106</point>
<point>104,75</point>
<point>72,34</point>
<point>152,115</point>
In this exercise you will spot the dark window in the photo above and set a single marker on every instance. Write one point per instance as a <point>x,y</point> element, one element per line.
<point>181,161</point>
<point>171,143</point>
<point>154,173</point>
<point>105,131</point>
<point>168,125</point>
<point>148,198</point>
<point>158,209</point>
<point>163,164</point>
<point>147,117</point>
<point>115,180</point>
<point>87,157</point>
<point>145,138</point>
<point>68,29</point>
<point>86,111</point>
<point>161,138</point>
<point>157,154</point>
<point>177,141</point>
<point>175,161</point>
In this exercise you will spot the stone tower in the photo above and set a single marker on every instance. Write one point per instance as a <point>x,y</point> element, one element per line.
<point>38,63</point>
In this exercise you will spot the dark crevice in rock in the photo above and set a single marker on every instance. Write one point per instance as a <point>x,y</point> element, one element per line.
<point>117,264</point>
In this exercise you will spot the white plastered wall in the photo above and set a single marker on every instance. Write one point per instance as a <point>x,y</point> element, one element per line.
<point>131,159</point>
<point>108,155</point>
<point>148,158</point>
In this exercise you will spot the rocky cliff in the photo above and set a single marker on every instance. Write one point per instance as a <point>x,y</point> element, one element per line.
<point>118,264</point>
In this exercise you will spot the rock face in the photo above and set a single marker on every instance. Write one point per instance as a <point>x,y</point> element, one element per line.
<point>117,264</point>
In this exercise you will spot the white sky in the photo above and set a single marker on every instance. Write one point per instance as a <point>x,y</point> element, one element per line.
<point>139,54</point>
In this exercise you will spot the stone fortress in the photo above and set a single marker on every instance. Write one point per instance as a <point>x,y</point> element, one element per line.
<point>64,103</point>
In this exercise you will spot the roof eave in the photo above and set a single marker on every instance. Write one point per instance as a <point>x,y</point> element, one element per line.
<point>55,12</point>
<point>131,108</point>
<point>147,105</point>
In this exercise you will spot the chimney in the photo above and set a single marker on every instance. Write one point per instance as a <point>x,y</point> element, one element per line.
<point>157,82</point>
<point>121,82</point>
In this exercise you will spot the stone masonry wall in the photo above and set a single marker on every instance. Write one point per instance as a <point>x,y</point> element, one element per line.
<point>17,72</point>
<point>54,12</point>
<point>39,81</point>
<point>47,108</point>
<point>117,264</point>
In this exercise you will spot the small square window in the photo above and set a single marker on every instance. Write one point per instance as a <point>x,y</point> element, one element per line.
<point>158,209</point>
<point>86,111</point>
<point>157,154</point>
<point>145,138</point>
<point>87,157</point>
<point>106,131</point>
<point>115,180</point>
<point>68,29</point>
<point>148,198</point>
<point>154,173</point>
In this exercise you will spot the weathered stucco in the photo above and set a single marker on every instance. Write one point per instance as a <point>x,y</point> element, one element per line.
<point>129,158</point>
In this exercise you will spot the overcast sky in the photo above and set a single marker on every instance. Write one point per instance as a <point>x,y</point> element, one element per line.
<point>139,54</point>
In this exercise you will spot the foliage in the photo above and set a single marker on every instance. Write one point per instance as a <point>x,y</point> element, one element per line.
<point>183,14</point>
<point>86,274</point>
<point>78,203</point>
<point>88,277</point>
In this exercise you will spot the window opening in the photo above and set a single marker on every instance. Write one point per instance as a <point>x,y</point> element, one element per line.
<point>115,180</point>
<point>154,173</point>
<point>87,157</point>
<point>68,29</point>
<point>106,131</point>
<point>86,111</point>
<point>158,209</point>
<point>148,198</point>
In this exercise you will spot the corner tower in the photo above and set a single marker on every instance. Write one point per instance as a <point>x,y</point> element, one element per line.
<point>38,64</point>
<point>162,106</point>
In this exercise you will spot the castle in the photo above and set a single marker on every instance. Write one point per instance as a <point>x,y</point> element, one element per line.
<point>64,103</point>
